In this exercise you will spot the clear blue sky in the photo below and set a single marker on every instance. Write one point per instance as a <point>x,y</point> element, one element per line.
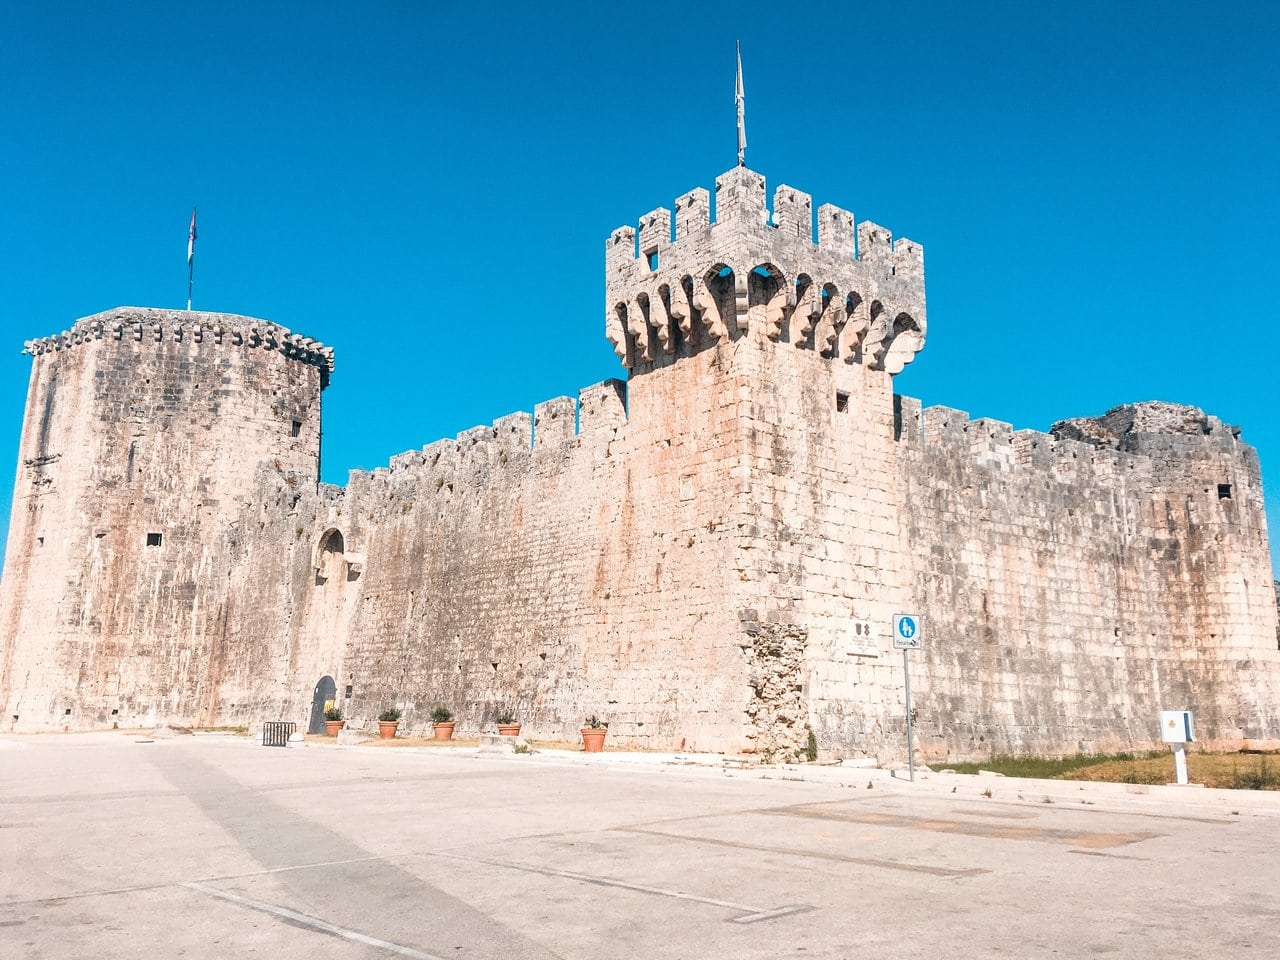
<point>428,187</point>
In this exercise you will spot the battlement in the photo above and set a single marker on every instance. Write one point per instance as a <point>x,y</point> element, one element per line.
<point>556,426</point>
<point>145,324</point>
<point>852,294</point>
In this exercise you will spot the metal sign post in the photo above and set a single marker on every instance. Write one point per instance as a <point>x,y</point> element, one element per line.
<point>907,635</point>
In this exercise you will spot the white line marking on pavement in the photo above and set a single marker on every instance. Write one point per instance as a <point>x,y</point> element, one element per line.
<point>750,914</point>
<point>770,914</point>
<point>311,922</point>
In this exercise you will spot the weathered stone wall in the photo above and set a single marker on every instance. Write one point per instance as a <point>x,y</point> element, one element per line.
<point>1071,590</point>
<point>142,427</point>
<point>587,572</point>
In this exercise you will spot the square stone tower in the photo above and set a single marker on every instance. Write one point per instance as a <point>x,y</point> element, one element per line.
<point>787,341</point>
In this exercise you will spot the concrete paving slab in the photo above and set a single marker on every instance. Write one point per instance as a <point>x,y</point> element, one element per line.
<point>207,847</point>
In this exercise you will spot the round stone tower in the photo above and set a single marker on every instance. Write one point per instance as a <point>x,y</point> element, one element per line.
<point>144,435</point>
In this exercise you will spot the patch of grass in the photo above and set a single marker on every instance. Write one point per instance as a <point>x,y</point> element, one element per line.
<point>1151,768</point>
<point>1044,768</point>
<point>1245,770</point>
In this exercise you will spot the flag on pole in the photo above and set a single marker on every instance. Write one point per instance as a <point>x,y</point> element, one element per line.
<point>191,257</point>
<point>741,100</point>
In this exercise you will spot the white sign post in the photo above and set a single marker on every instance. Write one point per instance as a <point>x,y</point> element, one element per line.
<point>907,635</point>
<point>1176,730</point>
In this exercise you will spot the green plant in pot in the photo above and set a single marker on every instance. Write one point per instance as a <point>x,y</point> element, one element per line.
<point>593,734</point>
<point>442,723</point>
<point>388,721</point>
<point>332,721</point>
<point>508,725</point>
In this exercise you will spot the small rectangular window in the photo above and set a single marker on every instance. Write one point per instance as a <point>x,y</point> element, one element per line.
<point>652,257</point>
<point>1224,491</point>
<point>842,401</point>
<point>297,428</point>
<point>154,539</point>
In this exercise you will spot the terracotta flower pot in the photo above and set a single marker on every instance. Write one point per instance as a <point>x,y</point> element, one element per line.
<point>508,729</point>
<point>444,731</point>
<point>387,729</point>
<point>593,739</point>
<point>331,727</point>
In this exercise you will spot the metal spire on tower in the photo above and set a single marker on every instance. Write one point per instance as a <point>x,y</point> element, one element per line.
<point>741,100</point>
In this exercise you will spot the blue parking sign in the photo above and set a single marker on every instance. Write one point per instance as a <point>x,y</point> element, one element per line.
<point>907,632</point>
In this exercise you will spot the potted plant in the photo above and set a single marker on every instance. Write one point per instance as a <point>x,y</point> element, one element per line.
<point>593,734</point>
<point>332,721</point>
<point>508,725</point>
<point>442,723</point>
<point>388,720</point>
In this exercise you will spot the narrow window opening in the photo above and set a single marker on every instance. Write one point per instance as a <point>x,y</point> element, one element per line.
<point>67,712</point>
<point>1224,491</point>
<point>348,689</point>
<point>39,541</point>
<point>296,429</point>
<point>842,402</point>
<point>115,713</point>
<point>652,257</point>
<point>154,539</point>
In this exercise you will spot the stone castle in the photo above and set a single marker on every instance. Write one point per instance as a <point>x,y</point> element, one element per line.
<point>708,555</point>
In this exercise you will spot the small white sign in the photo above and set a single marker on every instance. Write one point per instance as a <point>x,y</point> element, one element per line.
<point>908,633</point>
<point>1175,726</point>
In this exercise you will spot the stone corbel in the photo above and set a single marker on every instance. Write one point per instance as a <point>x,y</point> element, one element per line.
<point>705,304</point>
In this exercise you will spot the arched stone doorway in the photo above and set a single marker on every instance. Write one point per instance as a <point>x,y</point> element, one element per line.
<point>326,692</point>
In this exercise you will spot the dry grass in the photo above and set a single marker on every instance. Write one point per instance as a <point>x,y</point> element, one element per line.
<point>470,742</point>
<point>1233,771</point>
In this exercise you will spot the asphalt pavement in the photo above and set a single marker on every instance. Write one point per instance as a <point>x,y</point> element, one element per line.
<point>207,846</point>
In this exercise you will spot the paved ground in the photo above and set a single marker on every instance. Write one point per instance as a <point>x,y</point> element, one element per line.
<point>214,847</point>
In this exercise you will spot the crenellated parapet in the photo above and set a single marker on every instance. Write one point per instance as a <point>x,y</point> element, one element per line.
<point>812,280</point>
<point>485,454</point>
<point>148,325</point>
<point>1143,446</point>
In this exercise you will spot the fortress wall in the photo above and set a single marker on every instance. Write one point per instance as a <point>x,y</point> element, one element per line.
<point>587,572</point>
<point>140,424</point>
<point>1071,591</point>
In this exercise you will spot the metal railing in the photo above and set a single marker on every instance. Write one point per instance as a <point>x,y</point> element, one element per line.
<point>276,733</point>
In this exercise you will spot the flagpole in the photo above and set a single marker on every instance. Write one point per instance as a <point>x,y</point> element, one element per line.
<point>740,100</point>
<point>191,258</point>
